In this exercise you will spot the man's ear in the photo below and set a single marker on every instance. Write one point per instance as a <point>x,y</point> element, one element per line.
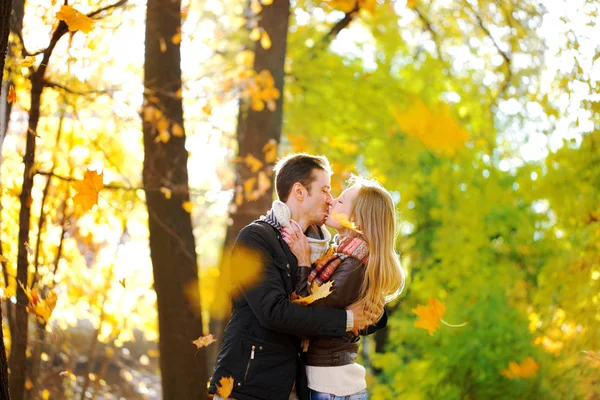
<point>298,191</point>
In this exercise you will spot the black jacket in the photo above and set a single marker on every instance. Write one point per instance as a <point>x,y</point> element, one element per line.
<point>261,342</point>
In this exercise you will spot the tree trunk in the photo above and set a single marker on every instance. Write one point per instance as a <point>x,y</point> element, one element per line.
<point>4,24</point>
<point>172,245</point>
<point>254,130</point>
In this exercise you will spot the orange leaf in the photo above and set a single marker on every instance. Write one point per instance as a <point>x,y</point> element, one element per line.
<point>225,387</point>
<point>344,221</point>
<point>88,189</point>
<point>430,316</point>
<point>12,95</point>
<point>187,206</point>
<point>177,130</point>
<point>75,20</point>
<point>41,308</point>
<point>317,292</point>
<point>122,282</point>
<point>204,341</point>
<point>527,369</point>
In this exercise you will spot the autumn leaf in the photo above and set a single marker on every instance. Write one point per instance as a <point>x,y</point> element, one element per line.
<point>255,34</point>
<point>225,386</point>
<point>527,369</point>
<point>88,189</point>
<point>176,38</point>
<point>27,62</point>
<point>75,20</point>
<point>204,341</point>
<point>166,192</point>
<point>12,95</point>
<point>430,316</point>
<point>122,282</point>
<point>187,206</point>
<point>163,45</point>
<point>41,308</point>
<point>343,220</point>
<point>264,183</point>
<point>177,130</point>
<point>3,258</point>
<point>255,7</point>
<point>326,256</point>
<point>270,150</point>
<point>265,41</point>
<point>593,356</point>
<point>253,163</point>
<point>317,292</point>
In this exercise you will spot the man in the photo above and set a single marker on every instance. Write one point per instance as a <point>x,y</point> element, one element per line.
<point>261,341</point>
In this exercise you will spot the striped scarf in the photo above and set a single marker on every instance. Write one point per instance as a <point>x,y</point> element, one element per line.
<point>342,248</point>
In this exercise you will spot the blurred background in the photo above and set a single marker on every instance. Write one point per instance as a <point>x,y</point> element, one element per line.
<point>138,138</point>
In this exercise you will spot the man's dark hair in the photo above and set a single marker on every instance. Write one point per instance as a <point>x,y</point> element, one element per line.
<point>297,168</point>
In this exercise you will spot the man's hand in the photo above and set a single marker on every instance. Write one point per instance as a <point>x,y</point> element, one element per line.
<point>298,244</point>
<point>366,317</point>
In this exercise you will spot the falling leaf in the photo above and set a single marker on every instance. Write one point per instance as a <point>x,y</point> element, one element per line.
<point>207,109</point>
<point>122,282</point>
<point>28,384</point>
<point>27,62</point>
<point>270,150</point>
<point>527,369</point>
<point>255,34</point>
<point>28,248</point>
<point>166,192</point>
<point>12,95</point>
<point>253,163</point>
<point>326,256</point>
<point>318,292</point>
<point>163,45</point>
<point>204,341</point>
<point>225,387</point>
<point>75,20</point>
<point>430,316</point>
<point>88,189</point>
<point>176,38</point>
<point>264,183</point>
<point>45,394</point>
<point>366,76</point>
<point>41,308</point>
<point>187,206</point>
<point>255,6</point>
<point>249,187</point>
<point>265,41</point>
<point>343,220</point>
<point>3,258</point>
<point>177,130</point>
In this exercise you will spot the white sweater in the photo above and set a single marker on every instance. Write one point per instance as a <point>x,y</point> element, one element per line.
<point>340,381</point>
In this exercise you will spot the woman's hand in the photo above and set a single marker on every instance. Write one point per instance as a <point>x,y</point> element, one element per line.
<point>298,244</point>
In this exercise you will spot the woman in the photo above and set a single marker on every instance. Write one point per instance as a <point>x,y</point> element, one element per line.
<point>363,267</point>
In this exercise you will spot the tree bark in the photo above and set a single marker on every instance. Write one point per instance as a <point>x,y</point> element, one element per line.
<point>172,245</point>
<point>4,23</point>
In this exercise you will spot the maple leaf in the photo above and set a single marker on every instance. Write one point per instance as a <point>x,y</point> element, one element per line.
<point>318,292</point>
<point>225,387</point>
<point>325,256</point>
<point>204,341</point>
<point>41,308</point>
<point>430,316</point>
<point>527,369</point>
<point>75,20</point>
<point>87,189</point>
<point>343,220</point>
<point>270,150</point>
<point>12,95</point>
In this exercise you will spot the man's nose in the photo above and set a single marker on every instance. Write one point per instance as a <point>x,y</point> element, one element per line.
<point>329,199</point>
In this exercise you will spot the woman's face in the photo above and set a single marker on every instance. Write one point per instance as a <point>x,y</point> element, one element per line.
<point>342,205</point>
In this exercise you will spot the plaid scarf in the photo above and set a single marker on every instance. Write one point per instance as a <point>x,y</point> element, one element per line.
<point>342,248</point>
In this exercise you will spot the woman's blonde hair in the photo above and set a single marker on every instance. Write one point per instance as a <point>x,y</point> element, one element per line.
<point>375,216</point>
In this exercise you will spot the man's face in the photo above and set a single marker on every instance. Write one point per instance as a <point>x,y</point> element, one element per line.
<point>318,201</point>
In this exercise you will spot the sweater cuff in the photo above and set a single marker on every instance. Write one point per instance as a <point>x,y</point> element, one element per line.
<point>349,320</point>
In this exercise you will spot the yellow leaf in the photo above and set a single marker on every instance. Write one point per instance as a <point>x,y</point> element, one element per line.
<point>204,341</point>
<point>253,163</point>
<point>264,183</point>
<point>28,384</point>
<point>430,316</point>
<point>88,189</point>
<point>45,394</point>
<point>270,150</point>
<point>342,5</point>
<point>317,292</point>
<point>166,191</point>
<point>239,196</point>
<point>368,5</point>
<point>187,206</point>
<point>325,256</point>
<point>176,38</point>
<point>164,136</point>
<point>410,3</point>
<point>75,20</point>
<point>177,130</point>
<point>122,282</point>
<point>249,186</point>
<point>225,387</point>
<point>255,34</point>
<point>3,258</point>
<point>265,41</point>
<point>41,308</point>
<point>163,45</point>
<point>255,6</point>
<point>343,220</point>
<point>27,62</point>
<point>527,369</point>
<point>267,2</point>
<point>12,95</point>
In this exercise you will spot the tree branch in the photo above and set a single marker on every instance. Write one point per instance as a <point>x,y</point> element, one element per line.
<point>71,91</point>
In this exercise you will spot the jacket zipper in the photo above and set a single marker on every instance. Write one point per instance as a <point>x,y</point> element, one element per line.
<point>249,361</point>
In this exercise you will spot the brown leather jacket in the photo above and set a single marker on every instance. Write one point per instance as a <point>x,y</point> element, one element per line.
<point>335,351</point>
